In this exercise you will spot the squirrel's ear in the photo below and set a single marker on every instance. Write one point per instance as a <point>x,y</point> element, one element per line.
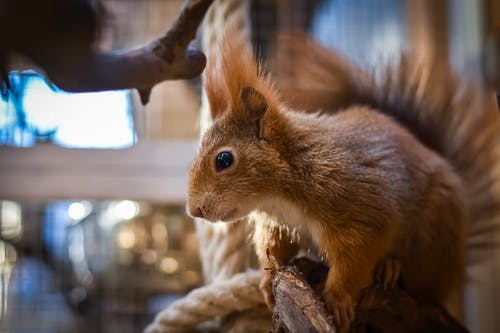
<point>254,103</point>
<point>255,106</point>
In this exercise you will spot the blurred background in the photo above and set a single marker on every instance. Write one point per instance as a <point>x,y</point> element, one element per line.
<point>93,231</point>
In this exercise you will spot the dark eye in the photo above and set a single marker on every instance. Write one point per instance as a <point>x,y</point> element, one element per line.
<point>224,160</point>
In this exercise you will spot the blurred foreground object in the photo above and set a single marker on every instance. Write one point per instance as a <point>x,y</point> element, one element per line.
<point>492,44</point>
<point>58,36</point>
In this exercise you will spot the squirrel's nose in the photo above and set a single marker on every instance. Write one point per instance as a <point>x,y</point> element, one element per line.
<point>196,212</point>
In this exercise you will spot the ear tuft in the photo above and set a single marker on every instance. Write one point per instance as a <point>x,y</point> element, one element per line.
<point>255,106</point>
<point>254,103</point>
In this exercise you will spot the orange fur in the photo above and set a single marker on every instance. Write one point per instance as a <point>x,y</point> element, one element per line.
<point>226,74</point>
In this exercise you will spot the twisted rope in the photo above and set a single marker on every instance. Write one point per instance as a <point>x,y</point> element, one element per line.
<point>238,293</point>
<point>224,248</point>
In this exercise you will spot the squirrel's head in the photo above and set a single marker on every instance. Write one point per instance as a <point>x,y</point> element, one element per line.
<point>237,166</point>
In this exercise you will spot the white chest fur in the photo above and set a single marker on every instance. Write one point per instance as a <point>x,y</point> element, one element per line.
<point>284,215</point>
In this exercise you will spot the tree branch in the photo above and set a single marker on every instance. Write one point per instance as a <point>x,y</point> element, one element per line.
<point>165,58</point>
<point>73,66</point>
<point>298,308</point>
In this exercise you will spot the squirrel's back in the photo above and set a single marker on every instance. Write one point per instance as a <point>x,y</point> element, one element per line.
<point>458,121</point>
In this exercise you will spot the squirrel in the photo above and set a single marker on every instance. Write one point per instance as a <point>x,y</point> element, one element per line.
<point>384,179</point>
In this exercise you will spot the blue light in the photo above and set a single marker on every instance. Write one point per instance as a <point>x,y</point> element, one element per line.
<point>34,110</point>
<point>368,32</point>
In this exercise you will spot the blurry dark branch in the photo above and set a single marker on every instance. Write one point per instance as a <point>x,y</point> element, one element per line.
<point>58,36</point>
<point>491,63</point>
<point>299,309</point>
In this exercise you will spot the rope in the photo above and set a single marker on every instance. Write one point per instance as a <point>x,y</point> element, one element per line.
<point>238,293</point>
<point>224,248</point>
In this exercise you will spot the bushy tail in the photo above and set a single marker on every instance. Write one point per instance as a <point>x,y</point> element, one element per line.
<point>459,121</point>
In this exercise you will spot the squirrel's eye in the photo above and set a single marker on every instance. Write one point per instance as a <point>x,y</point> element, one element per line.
<point>223,160</point>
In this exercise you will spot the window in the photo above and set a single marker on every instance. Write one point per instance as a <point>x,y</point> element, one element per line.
<point>35,111</point>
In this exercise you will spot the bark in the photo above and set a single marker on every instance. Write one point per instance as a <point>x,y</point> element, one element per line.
<point>299,309</point>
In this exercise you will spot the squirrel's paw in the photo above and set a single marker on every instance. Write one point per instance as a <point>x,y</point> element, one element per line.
<point>341,306</point>
<point>387,273</point>
<point>266,289</point>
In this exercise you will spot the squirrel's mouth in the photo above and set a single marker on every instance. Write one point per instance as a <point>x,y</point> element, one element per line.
<point>229,216</point>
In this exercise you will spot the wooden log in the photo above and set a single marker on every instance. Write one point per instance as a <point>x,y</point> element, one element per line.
<point>299,309</point>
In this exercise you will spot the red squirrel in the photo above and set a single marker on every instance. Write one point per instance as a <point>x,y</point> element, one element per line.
<point>359,179</point>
